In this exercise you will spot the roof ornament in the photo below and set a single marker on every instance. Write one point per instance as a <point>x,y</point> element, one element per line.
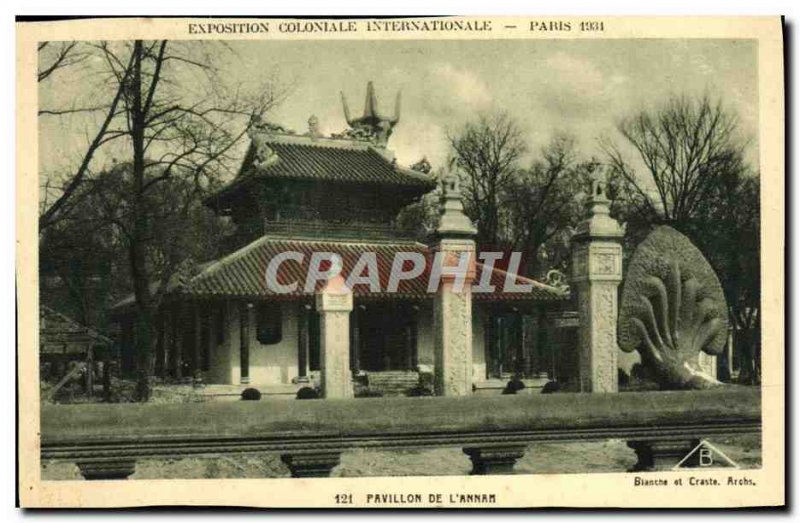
<point>423,166</point>
<point>453,223</point>
<point>372,126</point>
<point>259,130</point>
<point>313,127</point>
<point>556,278</point>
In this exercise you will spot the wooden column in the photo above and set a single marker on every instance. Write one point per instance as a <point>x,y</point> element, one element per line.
<point>491,350</point>
<point>90,371</point>
<point>411,340</point>
<point>208,349</point>
<point>302,341</point>
<point>244,343</point>
<point>355,339</point>
<point>198,340</point>
<point>520,358</point>
<point>107,376</point>
<point>161,350</point>
<point>545,353</point>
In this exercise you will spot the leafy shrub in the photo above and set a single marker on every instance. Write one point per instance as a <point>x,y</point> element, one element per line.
<point>251,394</point>
<point>307,393</point>
<point>550,387</point>
<point>514,386</point>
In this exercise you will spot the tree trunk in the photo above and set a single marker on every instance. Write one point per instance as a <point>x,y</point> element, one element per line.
<point>145,362</point>
<point>139,272</point>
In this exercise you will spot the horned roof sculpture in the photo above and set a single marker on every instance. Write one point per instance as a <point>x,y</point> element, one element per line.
<point>371,125</point>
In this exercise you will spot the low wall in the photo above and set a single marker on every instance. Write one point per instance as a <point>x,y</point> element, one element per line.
<point>95,436</point>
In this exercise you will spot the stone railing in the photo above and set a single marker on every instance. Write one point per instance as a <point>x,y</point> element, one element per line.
<point>105,441</point>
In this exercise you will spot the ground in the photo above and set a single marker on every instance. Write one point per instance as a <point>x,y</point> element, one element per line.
<point>543,458</point>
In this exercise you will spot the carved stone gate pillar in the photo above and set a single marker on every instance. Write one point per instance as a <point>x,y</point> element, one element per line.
<point>454,263</point>
<point>596,274</point>
<point>334,303</point>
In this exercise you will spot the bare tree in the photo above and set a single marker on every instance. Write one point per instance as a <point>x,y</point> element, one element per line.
<point>58,191</point>
<point>685,146</point>
<point>485,154</point>
<point>543,203</point>
<point>177,127</point>
<point>57,55</point>
<point>516,208</point>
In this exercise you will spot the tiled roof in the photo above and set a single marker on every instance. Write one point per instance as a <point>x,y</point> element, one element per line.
<point>327,160</point>
<point>242,273</point>
<point>59,333</point>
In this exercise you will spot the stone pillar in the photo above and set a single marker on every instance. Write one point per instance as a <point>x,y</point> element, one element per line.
<point>494,460</point>
<point>94,470</point>
<point>596,274</point>
<point>334,304</point>
<point>311,464</point>
<point>663,454</point>
<point>452,308</point>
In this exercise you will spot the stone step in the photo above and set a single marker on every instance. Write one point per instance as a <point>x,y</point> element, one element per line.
<point>392,383</point>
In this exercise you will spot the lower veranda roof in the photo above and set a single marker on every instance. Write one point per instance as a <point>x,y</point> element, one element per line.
<point>242,273</point>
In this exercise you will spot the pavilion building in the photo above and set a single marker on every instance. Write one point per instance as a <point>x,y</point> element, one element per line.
<point>341,194</point>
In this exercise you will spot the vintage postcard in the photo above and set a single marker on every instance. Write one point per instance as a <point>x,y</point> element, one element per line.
<point>444,262</point>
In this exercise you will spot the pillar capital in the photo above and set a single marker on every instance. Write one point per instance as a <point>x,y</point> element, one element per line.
<point>449,252</point>
<point>453,223</point>
<point>335,296</point>
<point>598,224</point>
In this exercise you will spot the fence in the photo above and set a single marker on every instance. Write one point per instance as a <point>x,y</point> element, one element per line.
<point>660,427</point>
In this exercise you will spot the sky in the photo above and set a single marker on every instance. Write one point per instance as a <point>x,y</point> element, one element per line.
<point>582,87</point>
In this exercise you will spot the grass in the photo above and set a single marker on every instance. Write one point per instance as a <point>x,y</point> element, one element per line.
<point>544,458</point>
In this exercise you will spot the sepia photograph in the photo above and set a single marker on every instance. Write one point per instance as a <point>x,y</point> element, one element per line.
<point>301,248</point>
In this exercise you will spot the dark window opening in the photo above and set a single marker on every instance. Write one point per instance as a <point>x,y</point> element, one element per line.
<point>517,345</point>
<point>268,323</point>
<point>387,338</point>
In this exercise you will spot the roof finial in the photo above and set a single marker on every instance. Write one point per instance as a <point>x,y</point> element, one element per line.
<point>372,125</point>
<point>370,104</point>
